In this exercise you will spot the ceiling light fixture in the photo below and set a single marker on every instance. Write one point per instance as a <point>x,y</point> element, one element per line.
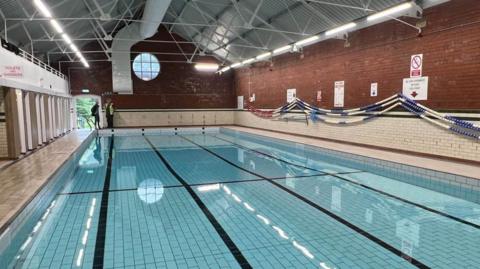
<point>67,39</point>
<point>56,26</point>
<point>74,48</point>
<point>235,65</point>
<point>342,28</point>
<point>390,11</point>
<point>282,49</point>
<point>43,8</point>
<point>264,55</point>
<point>248,61</point>
<point>225,69</point>
<point>307,41</point>
<point>208,67</point>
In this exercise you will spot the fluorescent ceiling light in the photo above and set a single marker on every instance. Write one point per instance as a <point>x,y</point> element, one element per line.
<point>341,28</point>
<point>307,40</point>
<point>225,69</point>
<point>282,49</point>
<point>73,47</point>
<point>43,8</point>
<point>248,61</point>
<point>390,11</point>
<point>56,26</point>
<point>235,65</point>
<point>67,39</point>
<point>79,55</point>
<point>206,67</point>
<point>264,55</point>
<point>84,62</point>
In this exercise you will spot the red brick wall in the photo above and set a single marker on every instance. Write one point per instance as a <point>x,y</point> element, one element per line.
<point>381,53</point>
<point>178,85</point>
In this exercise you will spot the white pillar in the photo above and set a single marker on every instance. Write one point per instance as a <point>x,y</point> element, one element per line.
<point>21,121</point>
<point>28,120</point>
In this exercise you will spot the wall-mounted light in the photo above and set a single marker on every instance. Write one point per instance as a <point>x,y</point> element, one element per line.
<point>248,61</point>
<point>206,67</point>
<point>235,65</point>
<point>282,49</point>
<point>340,29</point>
<point>390,11</point>
<point>225,69</point>
<point>85,91</point>
<point>263,56</point>
<point>307,41</point>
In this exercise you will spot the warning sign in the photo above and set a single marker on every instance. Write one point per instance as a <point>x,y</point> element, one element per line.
<point>291,95</point>
<point>416,64</point>
<point>416,88</point>
<point>339,94</point>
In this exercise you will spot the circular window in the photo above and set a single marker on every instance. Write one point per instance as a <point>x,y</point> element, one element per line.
<point>146,66</point>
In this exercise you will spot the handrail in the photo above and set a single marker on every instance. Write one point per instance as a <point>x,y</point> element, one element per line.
<point>29,57</point>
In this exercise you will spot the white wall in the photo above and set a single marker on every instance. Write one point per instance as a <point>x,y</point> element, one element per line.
<point>155,118</point>
<point>34,77</point>
<point>411,134</point>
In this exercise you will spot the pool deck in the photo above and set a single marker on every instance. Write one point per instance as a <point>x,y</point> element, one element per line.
<point>21,180</point>
<point>438,164</point>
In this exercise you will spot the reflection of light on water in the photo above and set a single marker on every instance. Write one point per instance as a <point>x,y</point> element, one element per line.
<point>303,249</point>
<point>85,233</point>
<point>150,190</point>
<point>211,187</point>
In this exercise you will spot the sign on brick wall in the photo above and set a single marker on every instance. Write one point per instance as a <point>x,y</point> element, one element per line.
<point>291,95</point>
<point>374,89</point>
<point>339,94</point>
<point>416,88</point>
<point>416,65</point>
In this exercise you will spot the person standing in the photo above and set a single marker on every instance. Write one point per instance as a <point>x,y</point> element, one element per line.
<point>109,110</point>
<point>96,114</point>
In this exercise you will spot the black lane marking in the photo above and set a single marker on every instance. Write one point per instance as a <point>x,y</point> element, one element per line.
<point>337,175</point>
<point>242,261</point>
<point>102,219</point>
<point>411,203</point>
<point>198,184</point>
<point>350,225</point>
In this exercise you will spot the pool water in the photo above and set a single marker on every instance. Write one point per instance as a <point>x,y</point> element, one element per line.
<point>231,200</point>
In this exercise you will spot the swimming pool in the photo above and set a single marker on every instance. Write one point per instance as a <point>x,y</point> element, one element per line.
<point>216,198</point>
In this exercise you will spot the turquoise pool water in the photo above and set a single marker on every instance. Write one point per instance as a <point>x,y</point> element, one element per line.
<point>231,200</point>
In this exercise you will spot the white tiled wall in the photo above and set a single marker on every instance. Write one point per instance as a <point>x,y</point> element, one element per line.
<point>173,118</point>
<point>410,134</point>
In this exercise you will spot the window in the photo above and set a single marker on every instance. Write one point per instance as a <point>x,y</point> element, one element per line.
<point>146,66</point>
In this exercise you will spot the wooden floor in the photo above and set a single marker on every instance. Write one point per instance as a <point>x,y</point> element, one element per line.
<point>447,166</point>
<point>21,180</point>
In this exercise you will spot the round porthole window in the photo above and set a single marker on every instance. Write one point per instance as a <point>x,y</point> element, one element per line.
<point>146,66</point>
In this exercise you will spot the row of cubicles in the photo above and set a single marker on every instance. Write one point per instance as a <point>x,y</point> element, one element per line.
<point>30,119</point>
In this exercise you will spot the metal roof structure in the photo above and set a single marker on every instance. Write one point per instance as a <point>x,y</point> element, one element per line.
<point>230,30</point>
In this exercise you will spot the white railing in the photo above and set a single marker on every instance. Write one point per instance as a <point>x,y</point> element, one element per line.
<point>43,65</point>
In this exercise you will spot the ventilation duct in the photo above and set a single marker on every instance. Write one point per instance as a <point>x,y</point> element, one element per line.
<point>130,35</point>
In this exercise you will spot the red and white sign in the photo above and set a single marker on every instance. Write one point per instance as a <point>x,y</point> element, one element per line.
<point>319,96</point>
<point>12,71</point>
<point>416,65</point>
<point>416,88</point>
